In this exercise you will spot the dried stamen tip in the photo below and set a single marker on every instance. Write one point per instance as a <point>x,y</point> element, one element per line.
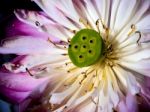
<point>139,36</point>
<point>37,23</point>
<point>29,72</point>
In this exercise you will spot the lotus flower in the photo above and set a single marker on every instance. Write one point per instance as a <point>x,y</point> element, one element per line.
<point>79,56</point>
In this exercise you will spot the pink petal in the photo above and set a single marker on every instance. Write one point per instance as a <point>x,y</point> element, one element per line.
<point>18,87</point>
<point>14,96</point>
<point>17,27</point>
<point>122,107</point>
<point>131,103</point>
<point>34,18</point>
<point>19,82</point>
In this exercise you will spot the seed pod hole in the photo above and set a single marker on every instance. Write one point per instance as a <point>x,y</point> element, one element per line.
<point>91,41</point>
<point>84,38</point>
<point>75,46</point>
<point>80,56</point>
<point>90,51</point>
<point>84,46</point>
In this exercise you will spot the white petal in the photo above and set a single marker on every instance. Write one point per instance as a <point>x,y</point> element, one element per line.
<point>128,79</point>
<point>49,7</point>
<point>144,24</point>
<point>90,107</point>
<point>91,10</point>
<point>112,93</point>
<point>56,31</point>
<point>133,49</point>
<point>29,45</point>
<point>124,13</point>
<point>115,5</point>
<point>102,8</point>
<point>142,67</point>
<point>137,54</point>
<point>135,18</point>
<point>57,98</point>
<point>68,8</point>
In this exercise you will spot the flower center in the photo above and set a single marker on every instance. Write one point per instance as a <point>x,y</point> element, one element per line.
<point>85,48</point>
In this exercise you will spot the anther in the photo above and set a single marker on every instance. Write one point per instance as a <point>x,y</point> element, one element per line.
<point>114,110</point>
<point>37,23</point>
<point>29,72</point>
<point>68,40</point>
<point>132,29</point>
<point>83,72</point>
<point>93,101</point>
<point>85,23</point>
<point>85,91</point>
<point>132,26</point>
<point>139,36</point>
<point>65,85</point>
<point>67,63</point>
<point>85,76</point>
<point>49,40</point>
<point>73,31</point>
<point>65,54</point>
<point>97,22</point>
<point>69,45</point>
<point>97,25</point>
<point>104,26</point>
<point>65,107</point>
<point>94,76</point>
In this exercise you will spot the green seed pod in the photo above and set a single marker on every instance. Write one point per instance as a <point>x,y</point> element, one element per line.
<point>85,48</point>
